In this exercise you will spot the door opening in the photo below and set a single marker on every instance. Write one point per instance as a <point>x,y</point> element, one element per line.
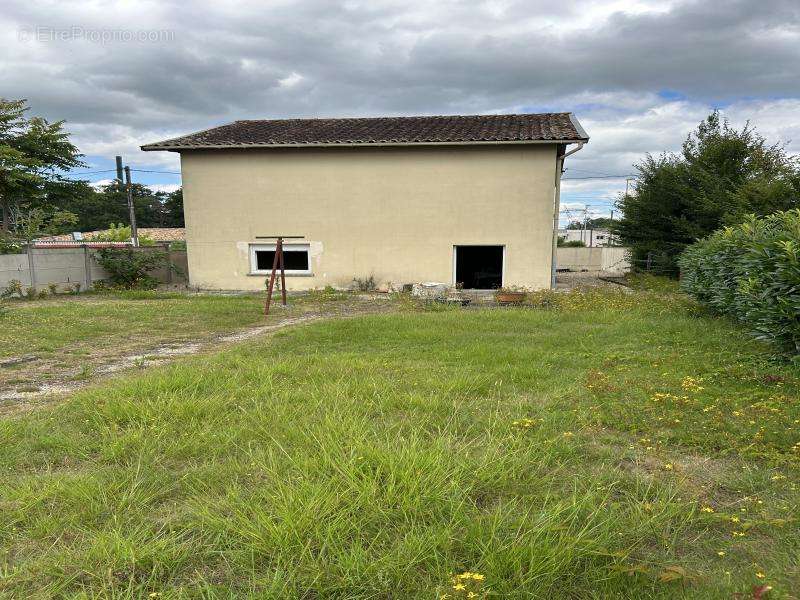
<point>479,267</point>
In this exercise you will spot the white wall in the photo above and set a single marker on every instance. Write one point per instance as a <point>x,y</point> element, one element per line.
<point>62,266</point>
<point>613,259</point>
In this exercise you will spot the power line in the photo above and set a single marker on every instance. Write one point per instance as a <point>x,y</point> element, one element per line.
<point>92,172</point>
<point>571,170</point>
<point>162,172</point>
<point>112,170</point>
<point>600,177</point>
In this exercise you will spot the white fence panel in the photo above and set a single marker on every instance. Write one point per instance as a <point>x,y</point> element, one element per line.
<point>608,259</point>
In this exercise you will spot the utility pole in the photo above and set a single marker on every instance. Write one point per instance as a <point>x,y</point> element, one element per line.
<point>610,229</point>
<point>585,222</point>
<point>131,211</point>
<point>119,170</point>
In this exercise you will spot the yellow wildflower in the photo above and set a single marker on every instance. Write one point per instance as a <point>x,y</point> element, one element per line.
<point>707,509</point>
<point>721,553</point>
<point>760,575</point>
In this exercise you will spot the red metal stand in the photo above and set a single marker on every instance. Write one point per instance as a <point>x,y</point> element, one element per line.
<point>277,263</point>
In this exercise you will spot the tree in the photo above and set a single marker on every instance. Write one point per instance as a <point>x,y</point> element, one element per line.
<point>720,176</point>
<point>96,209</point>
<point>32,151</point>
<point>598,223</point>
<point>173,208</point>
<point>37,222</point>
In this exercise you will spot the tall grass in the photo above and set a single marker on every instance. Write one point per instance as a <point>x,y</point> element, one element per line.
<point>376,457</point>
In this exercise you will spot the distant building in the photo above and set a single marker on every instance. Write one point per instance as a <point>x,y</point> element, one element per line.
<point>157,234</point>
<point>592,238</point>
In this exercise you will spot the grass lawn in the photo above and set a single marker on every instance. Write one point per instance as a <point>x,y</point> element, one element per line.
<point>105,321</point>
<point>609,446</point>
<point>73,335</point>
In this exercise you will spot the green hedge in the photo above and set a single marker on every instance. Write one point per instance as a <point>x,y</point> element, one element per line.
<point>751,272</point>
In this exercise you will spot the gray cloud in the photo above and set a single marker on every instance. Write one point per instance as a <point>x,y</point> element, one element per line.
<point>251,60</point>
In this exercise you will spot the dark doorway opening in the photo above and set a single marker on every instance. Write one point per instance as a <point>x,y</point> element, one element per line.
<point>479,267</point>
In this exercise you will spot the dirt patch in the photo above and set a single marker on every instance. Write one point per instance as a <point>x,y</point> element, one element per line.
<point>47,380</point>
<point>17,360</point>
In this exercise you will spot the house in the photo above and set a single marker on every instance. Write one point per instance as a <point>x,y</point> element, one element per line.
<point>463,200</point>
<point>591,238</point>
<point>157,234</point>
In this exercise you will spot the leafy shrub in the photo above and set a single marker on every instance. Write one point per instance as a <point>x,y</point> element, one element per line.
<point>9,245</point>
<point>14,288</point>
<point>30,293</point>
<point>129,268</point>
<point>572,244</point>
<point>751,272</point>
<point>365,285</point>
<point>120,233</point>
<point>53,287</point>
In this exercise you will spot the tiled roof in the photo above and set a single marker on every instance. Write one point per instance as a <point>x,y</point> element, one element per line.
<point>157,234</point>
<point>474,129</point>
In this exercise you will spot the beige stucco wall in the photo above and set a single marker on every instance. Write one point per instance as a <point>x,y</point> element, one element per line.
<point>394,213</point>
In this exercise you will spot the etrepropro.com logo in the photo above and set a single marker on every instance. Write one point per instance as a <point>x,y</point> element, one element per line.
<point>95,35</point>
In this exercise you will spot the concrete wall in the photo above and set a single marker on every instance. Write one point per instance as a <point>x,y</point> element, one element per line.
<point>612,259</point>
<point>391,213</point>
<point>67,266</point>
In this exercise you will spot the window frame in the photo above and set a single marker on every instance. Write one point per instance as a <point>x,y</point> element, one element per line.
<point>287,247</point>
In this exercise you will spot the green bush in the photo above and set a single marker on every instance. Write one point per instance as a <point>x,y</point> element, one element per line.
<point>751,272</point>
<point>120,233</point>
<point>129,268</point>
<point>9,245</point>
<point>14,289</point>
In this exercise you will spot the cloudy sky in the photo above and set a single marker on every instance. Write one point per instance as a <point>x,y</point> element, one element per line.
<point>639,74</point>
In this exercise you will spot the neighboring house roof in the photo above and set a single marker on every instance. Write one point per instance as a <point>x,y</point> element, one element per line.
<point>383,131</point>
<point>74,244</point>
<point>157,234</point>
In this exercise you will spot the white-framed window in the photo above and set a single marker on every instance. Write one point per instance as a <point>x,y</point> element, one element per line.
<point>296,259</point>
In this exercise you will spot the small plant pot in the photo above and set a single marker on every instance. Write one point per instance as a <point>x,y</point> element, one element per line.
<point>510,297</point>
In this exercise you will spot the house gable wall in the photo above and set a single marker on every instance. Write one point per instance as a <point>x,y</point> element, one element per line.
<point>391,213</point>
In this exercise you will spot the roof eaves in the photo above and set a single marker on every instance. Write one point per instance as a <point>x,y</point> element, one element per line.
<point>579,128</point>
<point>178,147</point>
